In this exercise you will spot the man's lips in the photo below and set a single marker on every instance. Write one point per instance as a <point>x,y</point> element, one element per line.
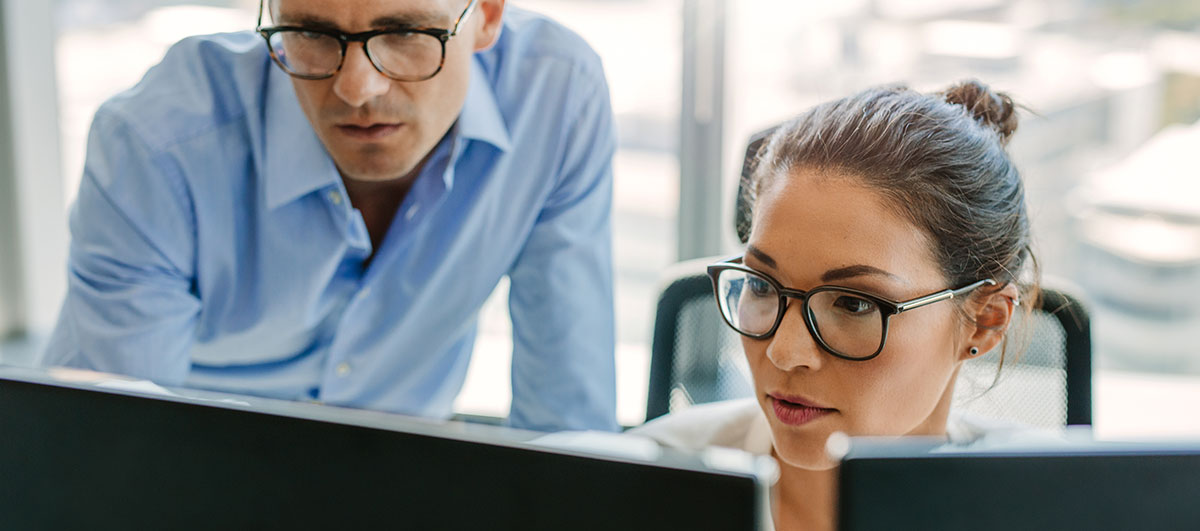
<point>373,131</point>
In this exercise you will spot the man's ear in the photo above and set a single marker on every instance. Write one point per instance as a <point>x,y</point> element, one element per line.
<point>991,314</point>
<point>487,29</point>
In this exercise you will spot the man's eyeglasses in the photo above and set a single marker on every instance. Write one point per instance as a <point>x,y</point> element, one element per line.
<point>403,54</point>
<point>848,323</point>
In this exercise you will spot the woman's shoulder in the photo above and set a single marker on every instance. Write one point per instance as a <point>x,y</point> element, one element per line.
<point>736,424</point>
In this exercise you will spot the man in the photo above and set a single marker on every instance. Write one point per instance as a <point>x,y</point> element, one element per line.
<point>318,211</point>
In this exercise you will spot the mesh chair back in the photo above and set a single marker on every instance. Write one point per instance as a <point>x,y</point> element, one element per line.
<point>741,207</point>
<point>1046,379</point>
<point>697,359</point>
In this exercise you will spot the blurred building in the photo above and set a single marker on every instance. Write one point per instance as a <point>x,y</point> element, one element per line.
<point>1137,234</point>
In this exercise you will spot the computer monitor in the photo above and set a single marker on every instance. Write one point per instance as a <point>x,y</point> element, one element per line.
<point>77,454</point>
<point>1092,486</point>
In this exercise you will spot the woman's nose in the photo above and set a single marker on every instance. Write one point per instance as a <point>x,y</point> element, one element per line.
<point>793,346</point>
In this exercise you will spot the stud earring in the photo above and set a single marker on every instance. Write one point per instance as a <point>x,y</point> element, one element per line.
<point>974,351</point>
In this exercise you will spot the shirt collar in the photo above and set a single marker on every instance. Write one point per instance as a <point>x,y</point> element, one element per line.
<point>297,162</point>
<point>481,119</point>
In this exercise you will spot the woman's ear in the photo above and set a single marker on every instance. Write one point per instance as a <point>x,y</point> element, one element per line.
<point>991,313</point>
<point>491,14</point>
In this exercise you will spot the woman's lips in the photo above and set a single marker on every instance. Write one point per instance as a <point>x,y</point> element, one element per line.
<point>368,132</point>
<point>795,411</point>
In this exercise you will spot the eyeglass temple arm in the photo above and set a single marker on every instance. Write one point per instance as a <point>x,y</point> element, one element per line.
<point>466,13</point>
<point>942,295</point>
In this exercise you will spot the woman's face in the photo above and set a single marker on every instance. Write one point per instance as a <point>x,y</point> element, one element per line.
<point>814,229</point>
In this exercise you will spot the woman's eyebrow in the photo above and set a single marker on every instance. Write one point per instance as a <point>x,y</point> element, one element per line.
<point>833,275</point>
<point>762,256</point>
<point>856,270</point>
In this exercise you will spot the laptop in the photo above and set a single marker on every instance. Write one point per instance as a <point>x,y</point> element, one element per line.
<point>81,450</point>
<point>1078,485</point>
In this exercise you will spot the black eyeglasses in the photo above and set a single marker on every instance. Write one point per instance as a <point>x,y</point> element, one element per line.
<point>848,323</point>
<point>403,54</point>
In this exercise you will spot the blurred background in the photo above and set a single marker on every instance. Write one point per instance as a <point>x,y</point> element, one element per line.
<point>1108,148</point>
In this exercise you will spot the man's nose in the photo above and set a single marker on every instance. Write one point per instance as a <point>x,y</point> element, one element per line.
<point>359,82</point>
<point>793,346</point>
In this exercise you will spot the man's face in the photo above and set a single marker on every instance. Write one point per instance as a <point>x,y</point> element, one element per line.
<point>374,127</point>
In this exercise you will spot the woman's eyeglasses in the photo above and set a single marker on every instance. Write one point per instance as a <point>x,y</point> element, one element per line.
<point>848,323</point>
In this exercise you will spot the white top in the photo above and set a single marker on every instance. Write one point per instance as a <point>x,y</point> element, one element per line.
<point>738,423</point>
<point>741,424</point>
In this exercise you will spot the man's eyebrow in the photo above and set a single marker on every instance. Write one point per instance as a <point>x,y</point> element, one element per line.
<point>857,270</point>
<point>425,19</point>
<point>307,21</point>
<point>408,20</point>
<point>762,256</point>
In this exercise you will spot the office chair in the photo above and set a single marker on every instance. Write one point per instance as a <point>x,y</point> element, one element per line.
<point>696,358</point>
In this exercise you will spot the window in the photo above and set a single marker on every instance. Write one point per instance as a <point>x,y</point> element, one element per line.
<point>1114,94</point>
<point>1114,89</point>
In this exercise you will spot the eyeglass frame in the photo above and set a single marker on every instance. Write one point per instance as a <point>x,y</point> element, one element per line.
<point>344,39</point>
<point>887,307</point>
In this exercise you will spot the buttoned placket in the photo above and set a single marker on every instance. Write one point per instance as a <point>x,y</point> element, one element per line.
<point>428,189</point>
<point>337,369</point>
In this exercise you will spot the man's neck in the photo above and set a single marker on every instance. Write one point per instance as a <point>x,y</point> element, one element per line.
<point>378,202</point>
<point>369,194</point>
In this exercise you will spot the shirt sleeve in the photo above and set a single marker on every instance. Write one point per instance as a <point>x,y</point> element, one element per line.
<point>131,306</point>
<point>561,288</point>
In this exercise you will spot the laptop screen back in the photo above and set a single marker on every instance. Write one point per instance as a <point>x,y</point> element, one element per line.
<point>80,458</point>
<point>1089,486</point>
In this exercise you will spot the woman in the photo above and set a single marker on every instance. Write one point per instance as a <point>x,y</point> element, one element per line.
<point>889,244</point>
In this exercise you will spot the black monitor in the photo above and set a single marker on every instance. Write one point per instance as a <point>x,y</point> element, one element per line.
<point>77,455</point>
<point>1086,486</point>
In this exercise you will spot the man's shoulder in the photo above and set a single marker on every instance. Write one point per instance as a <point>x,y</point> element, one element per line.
<point>202,83</point>
<point>530,38</point>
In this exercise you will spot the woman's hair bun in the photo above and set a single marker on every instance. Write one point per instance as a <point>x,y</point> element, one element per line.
<point>993,109</point>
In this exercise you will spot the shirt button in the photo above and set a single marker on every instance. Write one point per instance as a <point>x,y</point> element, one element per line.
<point>335,196</point>
<point>343,369</point>
<point>364,293</point>
<point>412,211</point>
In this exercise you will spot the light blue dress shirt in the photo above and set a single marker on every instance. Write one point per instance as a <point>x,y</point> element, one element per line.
<point>213,244</point>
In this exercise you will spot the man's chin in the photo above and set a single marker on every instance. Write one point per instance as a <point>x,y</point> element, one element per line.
<point>358,171</point>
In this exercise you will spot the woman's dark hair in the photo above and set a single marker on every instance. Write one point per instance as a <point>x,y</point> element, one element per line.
<point>939,159</point>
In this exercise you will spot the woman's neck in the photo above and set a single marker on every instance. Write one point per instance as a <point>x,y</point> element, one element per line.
<point>804,499</point>
<point>807,499</point>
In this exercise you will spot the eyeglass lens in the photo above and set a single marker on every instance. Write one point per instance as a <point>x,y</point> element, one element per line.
<point>844,321</point>
<point>401,55</point>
